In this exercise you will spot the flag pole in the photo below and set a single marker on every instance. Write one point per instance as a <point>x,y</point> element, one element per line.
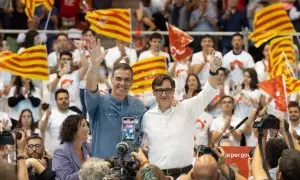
<point>285,96</point>
<point>48,19</point>
<point>288,63</point>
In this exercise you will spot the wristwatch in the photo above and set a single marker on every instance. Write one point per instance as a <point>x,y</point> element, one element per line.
<point>212,73</point>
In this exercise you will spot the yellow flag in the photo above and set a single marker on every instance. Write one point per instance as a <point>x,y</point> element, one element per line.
<point>145,71</point>
<point>270,22</point>
<point>30,63</point>
<point>114,23</point>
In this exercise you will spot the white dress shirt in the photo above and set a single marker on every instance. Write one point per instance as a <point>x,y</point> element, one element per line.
<point>170,135</point>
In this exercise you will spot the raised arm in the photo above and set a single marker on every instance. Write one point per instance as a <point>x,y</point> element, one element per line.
<point>97,58</point>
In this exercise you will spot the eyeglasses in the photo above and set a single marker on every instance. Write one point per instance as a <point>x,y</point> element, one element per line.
<point>160,91</point>
<point>34,145</point>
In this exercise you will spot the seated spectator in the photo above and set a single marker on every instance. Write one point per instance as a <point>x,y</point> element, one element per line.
<point>23,95</point>
<point>26,123</point>
<point>74,150</point>
<point>39,165</point>
<point>94,169</point>
<point>192,86</point>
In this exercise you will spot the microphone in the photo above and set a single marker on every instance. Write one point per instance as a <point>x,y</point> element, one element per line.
<point>236,127</point>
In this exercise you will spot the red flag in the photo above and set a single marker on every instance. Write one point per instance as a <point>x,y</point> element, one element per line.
<point>178,43</point>
<point>275,88</point>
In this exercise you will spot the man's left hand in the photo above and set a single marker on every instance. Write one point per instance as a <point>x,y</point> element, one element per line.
<point>215,63</point>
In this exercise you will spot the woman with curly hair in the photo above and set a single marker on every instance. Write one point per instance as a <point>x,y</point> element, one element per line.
<point>74,150</point>
<point>26,123</point>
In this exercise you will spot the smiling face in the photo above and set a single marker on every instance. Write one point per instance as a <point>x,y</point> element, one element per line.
<point>121,82</point>
<point>164,95</point>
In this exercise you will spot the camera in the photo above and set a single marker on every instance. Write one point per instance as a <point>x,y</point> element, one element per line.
<point>268,122</point>
<point>124,167</point>
<point>202,149</point>
<point>6,138</point>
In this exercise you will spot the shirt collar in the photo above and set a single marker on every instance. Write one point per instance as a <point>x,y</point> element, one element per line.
<point>127,100</point>
<point>171,109</point>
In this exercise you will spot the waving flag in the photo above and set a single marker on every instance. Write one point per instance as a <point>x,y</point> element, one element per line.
<point>281,46</point>
<point>270,22</point>
<point>178,43</point>
<point>30,6</point>
<point>145,71</point>
<point>275,88</point>
<point>114,23</point>
<point>30,63</point>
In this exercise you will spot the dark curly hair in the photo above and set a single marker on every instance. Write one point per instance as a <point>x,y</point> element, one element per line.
<point>69,128</point>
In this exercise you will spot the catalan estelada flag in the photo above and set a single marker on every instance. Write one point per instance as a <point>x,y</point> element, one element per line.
<point>114,23</point>
<point>281,46</point>
<point>270,22</point>
<point>30,63</point>
<point>145,71</point>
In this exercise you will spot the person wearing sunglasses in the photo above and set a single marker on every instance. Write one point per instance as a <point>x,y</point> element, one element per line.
<point>168,130</point>
<point>38,164</point>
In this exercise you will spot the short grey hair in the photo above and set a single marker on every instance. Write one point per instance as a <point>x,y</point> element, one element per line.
<point>94,169</point>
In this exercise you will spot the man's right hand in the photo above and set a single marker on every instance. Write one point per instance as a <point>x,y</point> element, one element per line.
<point>96,55</point>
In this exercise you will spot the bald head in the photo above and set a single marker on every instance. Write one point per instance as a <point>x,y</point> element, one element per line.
<point>206,168</point>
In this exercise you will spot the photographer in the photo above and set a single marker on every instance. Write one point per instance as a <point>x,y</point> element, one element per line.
<point>147,170</point>
<point>289,161</point>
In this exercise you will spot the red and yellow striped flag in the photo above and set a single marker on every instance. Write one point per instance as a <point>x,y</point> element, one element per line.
<point>277,47</point>
<point>145,71</point>
<point>283,67</point>
<point>47,3</point>
<point>30,63</point>
<point>114,23</point>
<point>30,6</point>
<point>270,22</point>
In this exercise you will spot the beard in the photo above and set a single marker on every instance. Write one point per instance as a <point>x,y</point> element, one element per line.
<point>35,155</point>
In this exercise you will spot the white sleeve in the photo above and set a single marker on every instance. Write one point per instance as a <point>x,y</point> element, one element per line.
<point>76,55</point>
<point>109,61</point>
<point>142,55</point>
<point>215,125</point>
<point>52,59</point>
<point>250,62</point>
<point>294,15</point>
<point>133,56</point>
<point>196,59</point>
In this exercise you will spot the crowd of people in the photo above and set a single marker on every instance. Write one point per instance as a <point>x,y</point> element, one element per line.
<point>67,127</point>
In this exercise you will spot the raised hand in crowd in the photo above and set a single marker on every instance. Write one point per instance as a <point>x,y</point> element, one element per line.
<point>97,57</point>
<point>22,168</point>
<point>215,63</point>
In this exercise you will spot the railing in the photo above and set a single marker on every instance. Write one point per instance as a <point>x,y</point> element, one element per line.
<point>245,33</point>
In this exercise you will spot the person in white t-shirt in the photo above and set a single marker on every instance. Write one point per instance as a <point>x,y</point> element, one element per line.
<point>200,59</point>
<point>23,95</point>
<point>60,44</point>
<point>27,124</point>
<point>155,41</point>
<point>179,71</point>
<point>214,108</point>
<point>237,59</point>
<point>53,118</point>
<point>225,123</point>
<point>247,100</point>
<point>261,67</point>
<point>294,113</point>
<point>68,77</point>
<point>120,54</point>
